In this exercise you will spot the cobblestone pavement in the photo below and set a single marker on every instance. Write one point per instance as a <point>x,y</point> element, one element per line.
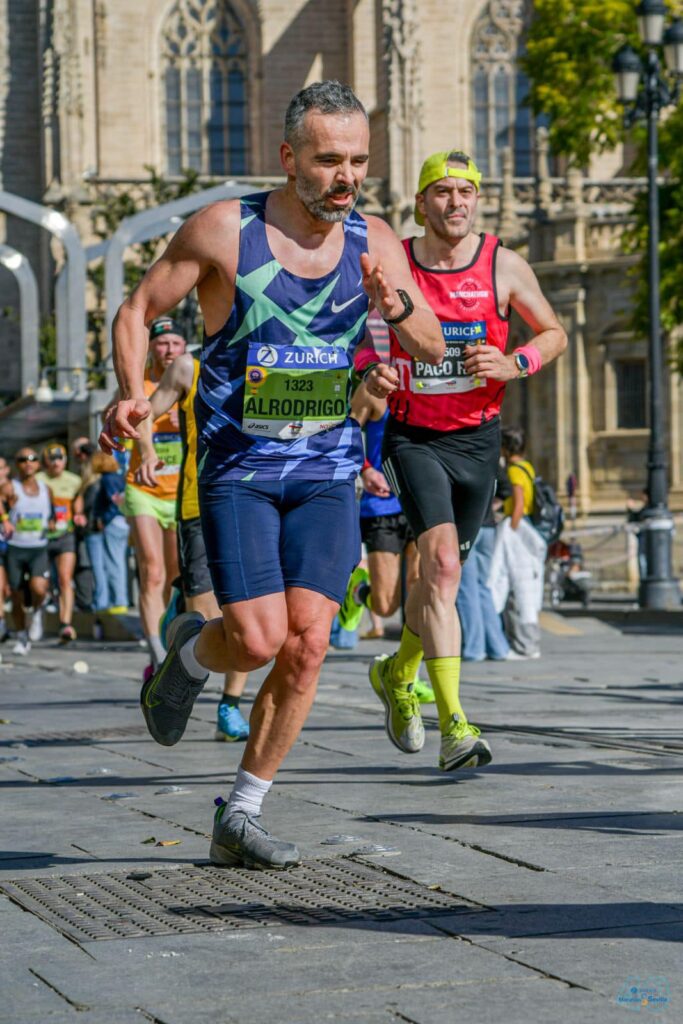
<point>544,888</point>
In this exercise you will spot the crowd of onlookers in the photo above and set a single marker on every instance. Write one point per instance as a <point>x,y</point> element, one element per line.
<point>63,537</point>
<point>64,544</point>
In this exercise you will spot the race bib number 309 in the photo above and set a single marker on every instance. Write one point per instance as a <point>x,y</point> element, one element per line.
<point>294,391</point>
<point>450,377</point>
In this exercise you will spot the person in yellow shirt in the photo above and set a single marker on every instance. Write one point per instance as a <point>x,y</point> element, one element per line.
<point>151,507</point>
<point>67,506</point>
<point>527,561</point>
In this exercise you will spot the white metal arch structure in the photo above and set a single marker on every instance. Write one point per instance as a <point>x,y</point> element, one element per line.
<point>17,264</point>
<point>71,320</point>
<point>134,228</point>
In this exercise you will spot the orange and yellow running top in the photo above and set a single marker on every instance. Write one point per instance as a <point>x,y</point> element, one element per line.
<point>169,447</point>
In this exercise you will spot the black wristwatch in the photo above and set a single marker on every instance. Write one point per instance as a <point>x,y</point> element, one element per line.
<point>408,308</point>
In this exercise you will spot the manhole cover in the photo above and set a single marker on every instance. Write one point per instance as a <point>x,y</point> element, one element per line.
<point>199,899</point>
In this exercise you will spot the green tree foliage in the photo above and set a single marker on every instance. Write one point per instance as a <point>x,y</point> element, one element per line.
<point>570,49</point>
<point>109,210</point>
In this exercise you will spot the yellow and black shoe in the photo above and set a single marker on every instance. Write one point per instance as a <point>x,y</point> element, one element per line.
<point>463,747</point>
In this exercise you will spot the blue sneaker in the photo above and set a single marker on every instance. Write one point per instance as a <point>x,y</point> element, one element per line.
<point>342,639</point>
<point>230,724</point>
<point>175,606</point>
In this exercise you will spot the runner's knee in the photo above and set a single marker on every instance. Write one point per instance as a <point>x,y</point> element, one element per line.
<point>152,575</point>
<point>303,653</point>
<point>442,570</point>
<point>383,604</point>
<point>257,644</point>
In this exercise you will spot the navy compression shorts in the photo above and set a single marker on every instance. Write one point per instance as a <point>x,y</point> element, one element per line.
<point>264,536</point>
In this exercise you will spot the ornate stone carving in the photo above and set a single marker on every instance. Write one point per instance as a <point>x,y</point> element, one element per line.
<point>402,60</point>
<point>498,118</point>
<point>196,29</point>
<point>204,60</point>
<point>496,34</point>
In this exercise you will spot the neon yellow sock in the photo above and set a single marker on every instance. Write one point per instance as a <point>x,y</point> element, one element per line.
<point>408,658</point>
<point>444,675</point>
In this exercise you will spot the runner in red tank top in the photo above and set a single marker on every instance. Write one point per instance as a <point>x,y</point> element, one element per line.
<point>442,441</point>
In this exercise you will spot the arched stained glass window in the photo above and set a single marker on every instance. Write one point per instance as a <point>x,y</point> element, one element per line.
<point>204,59</point>
<point>499,88</point>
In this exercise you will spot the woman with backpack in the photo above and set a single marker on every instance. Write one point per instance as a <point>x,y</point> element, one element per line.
<point>518,563</point>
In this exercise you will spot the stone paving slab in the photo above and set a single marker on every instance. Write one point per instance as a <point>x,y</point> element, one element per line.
<point>568,842</point>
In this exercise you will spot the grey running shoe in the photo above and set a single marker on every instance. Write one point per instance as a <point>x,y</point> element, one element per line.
<point>402,718</point>
<point>168,696</point>
<point>241,841</point>
<point>463,747</point>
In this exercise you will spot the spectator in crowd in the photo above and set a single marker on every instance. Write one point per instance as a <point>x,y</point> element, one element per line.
<point>108,540</point>
<point>483,635</point>
<point>518,562</point>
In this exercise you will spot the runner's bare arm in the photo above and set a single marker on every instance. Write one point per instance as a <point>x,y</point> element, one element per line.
<point>174,385</point>
<point>385,269</point>
<point>517,281</point>
<point>365,406</point>
<point>80,518</point>
<point>382,379</point>
<point>200,249</point>
<point>517,513</point>
<point>7,499</point>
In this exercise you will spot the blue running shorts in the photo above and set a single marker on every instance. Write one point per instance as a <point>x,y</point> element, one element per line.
<point>263,536</point>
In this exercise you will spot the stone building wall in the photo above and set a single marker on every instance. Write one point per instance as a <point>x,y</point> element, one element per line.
<point>81,110</point>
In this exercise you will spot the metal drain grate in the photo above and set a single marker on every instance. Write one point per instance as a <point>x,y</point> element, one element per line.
<point>89,736</point>
<point>207,899</point>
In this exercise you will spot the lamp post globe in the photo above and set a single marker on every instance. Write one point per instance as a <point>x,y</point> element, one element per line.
<point>673,47</point>
<point>651,15</point>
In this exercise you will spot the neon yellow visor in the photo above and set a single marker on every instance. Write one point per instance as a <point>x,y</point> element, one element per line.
<point>436,167</point>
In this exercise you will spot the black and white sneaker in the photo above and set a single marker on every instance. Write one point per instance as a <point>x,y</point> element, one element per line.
<point>168,696</point>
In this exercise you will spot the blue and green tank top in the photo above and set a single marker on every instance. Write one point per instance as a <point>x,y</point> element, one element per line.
<point>274,386</point>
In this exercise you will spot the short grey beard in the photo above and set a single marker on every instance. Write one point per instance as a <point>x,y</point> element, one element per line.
<point>316,205</point>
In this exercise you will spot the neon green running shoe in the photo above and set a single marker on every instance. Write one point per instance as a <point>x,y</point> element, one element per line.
<point>462,747</point>
<point>423,692</point>
<point>351,611</point>
<point>402,719</point>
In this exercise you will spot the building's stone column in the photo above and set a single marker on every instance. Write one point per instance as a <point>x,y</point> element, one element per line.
<point>404,104</point>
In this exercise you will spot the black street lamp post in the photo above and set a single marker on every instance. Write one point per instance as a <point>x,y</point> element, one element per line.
<point>644,91</point>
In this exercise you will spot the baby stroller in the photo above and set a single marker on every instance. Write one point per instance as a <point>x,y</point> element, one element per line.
<point>566,578</point>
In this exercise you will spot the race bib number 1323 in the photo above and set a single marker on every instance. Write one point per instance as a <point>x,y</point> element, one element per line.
<point>294,391</point>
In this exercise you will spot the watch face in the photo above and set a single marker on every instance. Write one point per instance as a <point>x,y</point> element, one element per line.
<point>522,362</point>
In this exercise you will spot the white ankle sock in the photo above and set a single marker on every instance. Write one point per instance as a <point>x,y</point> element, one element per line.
<point>156,650</point>
<point>247,793</point>
<point>188,659</point>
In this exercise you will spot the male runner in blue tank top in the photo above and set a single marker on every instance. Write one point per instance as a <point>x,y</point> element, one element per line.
<point>283,280</point>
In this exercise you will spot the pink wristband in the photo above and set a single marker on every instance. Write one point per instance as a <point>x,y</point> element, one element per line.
<point>533,355</point>
<point>363,359</point>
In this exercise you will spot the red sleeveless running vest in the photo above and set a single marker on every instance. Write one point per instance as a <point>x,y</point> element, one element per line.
<point>465,301</point>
